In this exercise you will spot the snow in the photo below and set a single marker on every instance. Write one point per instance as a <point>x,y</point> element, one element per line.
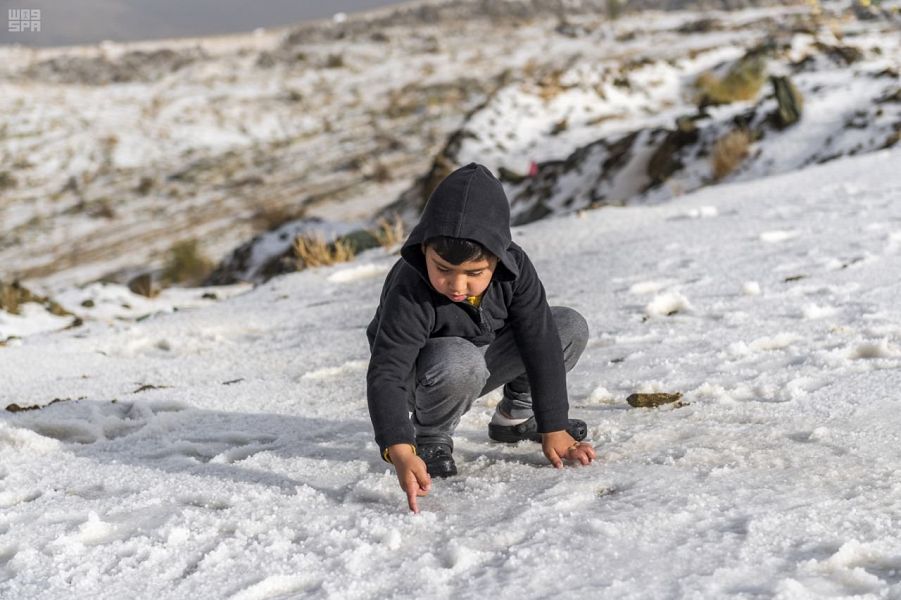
<point>107,302</point>
<point>224,450</point>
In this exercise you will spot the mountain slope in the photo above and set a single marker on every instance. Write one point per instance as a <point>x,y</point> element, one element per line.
<point>112,154</point>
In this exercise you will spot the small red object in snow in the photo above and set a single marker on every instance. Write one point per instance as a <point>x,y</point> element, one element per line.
<point>533,168</point>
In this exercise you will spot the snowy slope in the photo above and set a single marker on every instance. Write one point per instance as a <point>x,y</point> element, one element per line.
<point>225,451</point>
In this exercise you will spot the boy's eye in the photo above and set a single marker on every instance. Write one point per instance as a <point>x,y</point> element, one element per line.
<point>474,273</point>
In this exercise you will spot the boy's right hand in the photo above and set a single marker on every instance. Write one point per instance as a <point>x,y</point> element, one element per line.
<point>411,473</point>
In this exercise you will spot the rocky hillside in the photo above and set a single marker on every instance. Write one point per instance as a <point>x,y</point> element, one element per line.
<point>114,155</point>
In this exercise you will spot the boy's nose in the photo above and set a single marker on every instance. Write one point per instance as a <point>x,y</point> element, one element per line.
<point>458,284</point>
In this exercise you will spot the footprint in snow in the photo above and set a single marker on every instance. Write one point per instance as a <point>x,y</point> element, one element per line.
<point>226,448</point>
<point>92,422</point>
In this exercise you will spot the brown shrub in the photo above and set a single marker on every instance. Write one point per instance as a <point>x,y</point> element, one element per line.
<point>9,298</point>
<point>186,264</point>
<point>729,152</point>
<point>272,216</point>
<point>389,233</point>
<point>314,251</point>
<point>742,82</point>
<point>7,180</point>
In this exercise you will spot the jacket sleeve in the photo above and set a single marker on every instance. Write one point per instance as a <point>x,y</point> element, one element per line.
<point>539,345</point>
<point>405,321</point>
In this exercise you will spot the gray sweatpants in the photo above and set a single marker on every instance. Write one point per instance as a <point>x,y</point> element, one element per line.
<point>452,372</point>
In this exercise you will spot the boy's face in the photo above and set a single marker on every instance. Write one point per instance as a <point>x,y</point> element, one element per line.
<point>469,278</point>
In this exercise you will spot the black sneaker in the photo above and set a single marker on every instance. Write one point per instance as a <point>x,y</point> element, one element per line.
<point>438,459</point>
<point>528,430</point>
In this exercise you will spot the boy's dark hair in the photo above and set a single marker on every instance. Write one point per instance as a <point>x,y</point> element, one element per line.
<point>457,250</point>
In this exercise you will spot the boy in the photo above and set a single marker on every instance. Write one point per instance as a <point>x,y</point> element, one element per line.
<point>462,313</point>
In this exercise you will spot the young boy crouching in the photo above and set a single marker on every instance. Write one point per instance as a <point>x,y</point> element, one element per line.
<point>461,313</point>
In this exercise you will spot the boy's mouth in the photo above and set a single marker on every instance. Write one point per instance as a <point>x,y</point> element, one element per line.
<point>457,298</point>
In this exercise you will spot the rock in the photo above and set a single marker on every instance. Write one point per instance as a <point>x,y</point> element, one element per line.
<point>865,11</point>
<point>538,211</point>
<point>790,102</point>
<point>842,55</point>
<point>665,160</point>
<point>892,96</point>
<point>506,175</point>
<point>359,240</point>
<point>653,400</point>
<point>705,25</point>
<point>143,285</point>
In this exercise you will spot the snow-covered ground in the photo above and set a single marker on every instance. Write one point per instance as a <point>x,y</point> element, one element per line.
<point>224,451</point>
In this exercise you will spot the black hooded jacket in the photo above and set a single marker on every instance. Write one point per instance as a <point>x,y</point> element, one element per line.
<point>470,203</point>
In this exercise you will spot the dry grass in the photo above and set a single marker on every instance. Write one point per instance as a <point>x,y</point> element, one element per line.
<point>389,233</point>
<point>186,264</point>
<point>550,86</point>
<point>742,82</point>
<point>273,216</point>
<point>314,251</point>
<point>615,9</point>
<point>729,152</point>
<point>14,295</point>
<point>9,298</point>
<point>7,180</point>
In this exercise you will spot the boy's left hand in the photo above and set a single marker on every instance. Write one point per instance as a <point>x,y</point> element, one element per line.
<point>559,445</point>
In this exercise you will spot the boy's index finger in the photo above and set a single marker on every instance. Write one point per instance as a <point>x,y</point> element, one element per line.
<point>411,486</point>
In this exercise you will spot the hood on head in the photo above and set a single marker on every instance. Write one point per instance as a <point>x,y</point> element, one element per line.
<point>469,203</point>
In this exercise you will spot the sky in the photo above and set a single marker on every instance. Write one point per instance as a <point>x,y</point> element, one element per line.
<point>71,22</point>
